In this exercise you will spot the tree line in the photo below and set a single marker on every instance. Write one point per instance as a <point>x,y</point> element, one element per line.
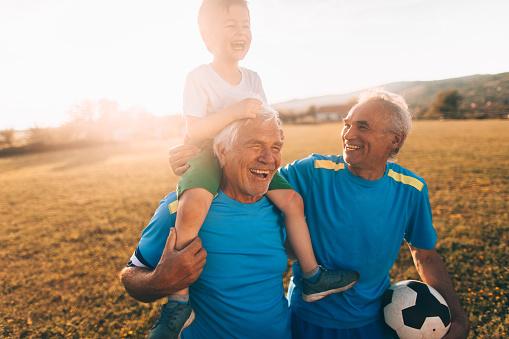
<point>447,104</point>
<point>92,122</point>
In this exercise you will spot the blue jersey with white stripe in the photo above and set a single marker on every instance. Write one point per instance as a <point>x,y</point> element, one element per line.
<point>360,225</point>
<point>240,291</point>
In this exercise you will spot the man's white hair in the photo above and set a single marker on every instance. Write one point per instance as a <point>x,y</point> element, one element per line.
<point>400,118</point>
<point>228,135</point>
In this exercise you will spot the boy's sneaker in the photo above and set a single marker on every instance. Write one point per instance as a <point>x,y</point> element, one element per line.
<point>174,318</point>
<point>328,282</point>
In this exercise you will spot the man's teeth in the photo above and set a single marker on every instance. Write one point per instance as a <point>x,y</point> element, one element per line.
<point>352,147</point>
<point>259,172</point>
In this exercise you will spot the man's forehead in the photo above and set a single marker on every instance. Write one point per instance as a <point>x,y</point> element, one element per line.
<point>260,129</point>
<point>366,111</point>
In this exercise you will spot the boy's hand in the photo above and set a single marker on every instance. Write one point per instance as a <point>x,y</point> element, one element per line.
<point>179,156</point>
<point>246,109</point>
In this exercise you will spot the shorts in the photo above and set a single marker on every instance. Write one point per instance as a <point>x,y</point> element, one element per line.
<point>302,329</point>
<point>204,172</point>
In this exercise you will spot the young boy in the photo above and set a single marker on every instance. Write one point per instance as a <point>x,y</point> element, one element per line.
<point>216,95</point>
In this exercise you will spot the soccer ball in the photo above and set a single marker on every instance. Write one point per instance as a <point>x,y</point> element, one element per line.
<point>414,309</point>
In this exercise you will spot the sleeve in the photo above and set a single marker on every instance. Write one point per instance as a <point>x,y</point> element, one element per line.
<point>258,88</point>
<point>194,99</point>
<point>299,174</point>
<point>153,238</point>
<point>420,232</point>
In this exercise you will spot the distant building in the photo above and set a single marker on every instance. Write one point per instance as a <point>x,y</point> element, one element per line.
<point>313,114</point>
<point>327,116</point>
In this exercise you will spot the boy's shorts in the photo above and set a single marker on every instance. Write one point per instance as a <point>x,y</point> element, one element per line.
<point>204,172</point>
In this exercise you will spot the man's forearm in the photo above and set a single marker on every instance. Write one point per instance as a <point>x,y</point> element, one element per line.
<point>141,284</point>
<point>433,272</point>
<point>175,271</point>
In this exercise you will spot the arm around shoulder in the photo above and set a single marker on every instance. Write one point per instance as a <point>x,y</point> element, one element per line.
<point>175,270</point>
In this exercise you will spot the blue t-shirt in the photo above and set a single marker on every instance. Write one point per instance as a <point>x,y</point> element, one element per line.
<point>240,291</point>
<point>360,225</point>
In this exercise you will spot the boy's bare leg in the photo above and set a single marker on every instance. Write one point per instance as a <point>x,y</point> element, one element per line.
<point>318,282</point>
<point>192,210</point>
<point>291,204</point>
<point>177,313</point>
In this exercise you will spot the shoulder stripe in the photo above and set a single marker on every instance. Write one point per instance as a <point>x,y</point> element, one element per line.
<point>330,165</point>
<point>406,179</point>
<point>172,206</point>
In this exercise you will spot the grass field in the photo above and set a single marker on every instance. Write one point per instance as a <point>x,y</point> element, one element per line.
<point>70,220</point>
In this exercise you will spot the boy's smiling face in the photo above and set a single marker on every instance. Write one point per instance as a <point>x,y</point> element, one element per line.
<point>229,35</point>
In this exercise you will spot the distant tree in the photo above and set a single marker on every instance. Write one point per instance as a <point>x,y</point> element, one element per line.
<point>312,113</point>
<point>8,136</point>
<point>431,113</point>
<point>446,105</point>
<point>83,112</point>
<point>82,119</point>
<point>40,136</point>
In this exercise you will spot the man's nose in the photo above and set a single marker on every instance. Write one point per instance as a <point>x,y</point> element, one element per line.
<point>265,156</point>
<point>348,133</point>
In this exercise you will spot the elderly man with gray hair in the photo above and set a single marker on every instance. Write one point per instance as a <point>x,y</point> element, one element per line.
<point>360,207</point>
<point>239,293</point>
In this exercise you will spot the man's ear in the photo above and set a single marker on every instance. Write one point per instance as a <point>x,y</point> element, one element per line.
<point>397,142</point>
<point>220,154</point>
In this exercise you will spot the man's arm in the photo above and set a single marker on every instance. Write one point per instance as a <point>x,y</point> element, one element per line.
<point>176,270</point>
<point>433,272</point>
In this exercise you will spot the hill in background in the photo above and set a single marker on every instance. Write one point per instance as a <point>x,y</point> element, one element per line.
<point>92,123</point>
<point>482,96</point>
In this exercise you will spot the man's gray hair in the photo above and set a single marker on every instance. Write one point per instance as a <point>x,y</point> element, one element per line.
<point>228,135</point>
<point>395,105</point>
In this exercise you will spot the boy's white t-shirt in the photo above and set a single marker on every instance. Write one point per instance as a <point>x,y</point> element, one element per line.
<point>206,92</point>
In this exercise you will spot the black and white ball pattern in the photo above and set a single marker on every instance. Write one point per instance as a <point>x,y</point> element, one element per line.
<point>414,309</point>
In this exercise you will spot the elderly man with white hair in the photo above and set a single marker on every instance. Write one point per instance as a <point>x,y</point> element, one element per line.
<point>239,293</point>
<point>360,208</point>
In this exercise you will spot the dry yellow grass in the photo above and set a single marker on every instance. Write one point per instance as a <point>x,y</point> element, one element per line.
<point>70,220</point>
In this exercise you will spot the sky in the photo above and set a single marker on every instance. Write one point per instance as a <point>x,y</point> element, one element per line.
<point>57,53</point>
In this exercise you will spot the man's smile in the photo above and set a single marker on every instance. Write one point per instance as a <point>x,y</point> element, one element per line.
<point>350,147</point>
<point>260,173</point>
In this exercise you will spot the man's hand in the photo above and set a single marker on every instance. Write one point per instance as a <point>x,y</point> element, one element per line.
<point>458,330</point>
<point>179,269</point>
<point>179,156</point>
<point>176,270</point>
<point>432,271</point>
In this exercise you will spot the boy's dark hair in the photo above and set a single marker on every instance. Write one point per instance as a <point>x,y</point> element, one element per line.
<point>208,7</point>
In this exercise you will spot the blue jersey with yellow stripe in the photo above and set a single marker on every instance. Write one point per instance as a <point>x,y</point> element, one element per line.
<point>240,291</point>
<point>357,224</point>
